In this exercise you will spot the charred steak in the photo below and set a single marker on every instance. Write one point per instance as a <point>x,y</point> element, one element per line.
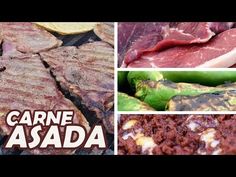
<point>86,72</point>
<point>26,84</point>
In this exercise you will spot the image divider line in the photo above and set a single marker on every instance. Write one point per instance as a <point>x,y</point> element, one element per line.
<point>115,89</point>
<point>177,112</point>
<point>177,69</point>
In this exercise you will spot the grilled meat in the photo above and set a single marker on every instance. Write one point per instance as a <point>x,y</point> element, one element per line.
<point>27,38</point>
<point>26,84</point>
<point>105,31</point>
<point>86,72</point>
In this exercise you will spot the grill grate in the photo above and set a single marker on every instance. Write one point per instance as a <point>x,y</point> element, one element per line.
<point>72,40</point>
<point>76,40</point>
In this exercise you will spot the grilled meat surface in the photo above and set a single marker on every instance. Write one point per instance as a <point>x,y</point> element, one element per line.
<point>26,38</point>
<point>26,84</point>
<point>86,72</point>
<point>105,31</point>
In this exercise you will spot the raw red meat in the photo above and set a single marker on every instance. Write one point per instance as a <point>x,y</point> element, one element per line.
<point>219,52</point>
<point>130,32</point>
<point>184,33</point>
<point>170,35</point>
<point>218,27</point>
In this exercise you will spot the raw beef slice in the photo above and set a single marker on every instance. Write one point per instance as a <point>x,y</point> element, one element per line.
<point>219,52</point>
<point>129,32</point>
<point>174,34</point>
<point>184,33</point>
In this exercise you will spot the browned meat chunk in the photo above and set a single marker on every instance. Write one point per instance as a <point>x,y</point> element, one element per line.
<point>26,84</point>
<point>86,72</point>
<point>177,134</point>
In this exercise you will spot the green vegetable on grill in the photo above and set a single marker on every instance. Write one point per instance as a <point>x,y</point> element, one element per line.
<point>208,78</point>
<point>122,78</point>
<point>128,103</point>
<point>157,94</point>
<point>220,101</point>
<point>135,76</point>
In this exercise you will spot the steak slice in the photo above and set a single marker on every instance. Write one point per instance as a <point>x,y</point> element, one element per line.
<point>172,35</point>
<point>182,34</point>
<point>105,31</point>
<point>219,52</point>
<point>130,32</point>
<point>27,37</point>
<point>26,84</point>
<point>9,50</point>
<point>222,101</point>
<point>86,72</point>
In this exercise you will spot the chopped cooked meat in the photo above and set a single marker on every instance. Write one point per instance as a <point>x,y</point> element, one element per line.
<point>26,84</point>
<point>27,37</point>
<point>86,72</point>
<point>105,31</point>
<point>177,134</point>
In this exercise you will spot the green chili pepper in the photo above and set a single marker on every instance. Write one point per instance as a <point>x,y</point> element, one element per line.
<point>135,76</point>
<point>208,78</point>
<point>157,94</point>
<point>220,101</point>
<point>128,103</point>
